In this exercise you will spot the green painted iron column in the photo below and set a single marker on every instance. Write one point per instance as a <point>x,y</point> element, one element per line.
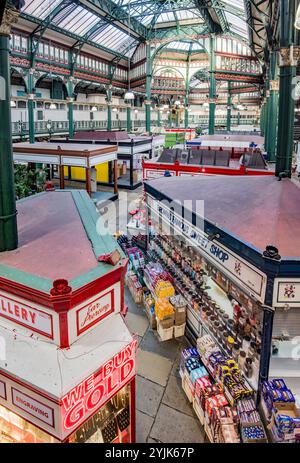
<point>8,215</point>
<point>158,118</point>
<point>70,102</point>
<point>148,87</point>
<point>273,108</point>
<point>30,94</point>
<point>129,123</point>
<point>212,87</point>
<point>289,57</point>
<point>229,107</point>
<point>109,109</point>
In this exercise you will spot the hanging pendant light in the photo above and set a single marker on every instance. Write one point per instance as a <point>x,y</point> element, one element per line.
<point>297,21</point>
<point>52,106</point>
<point>94,109</point>
<point>129,95</point>
<point>13,104</point>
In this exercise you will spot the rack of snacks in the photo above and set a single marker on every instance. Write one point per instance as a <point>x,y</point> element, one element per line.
<point>220,397</point>
<point>232,318</point>
<point>279,411</point>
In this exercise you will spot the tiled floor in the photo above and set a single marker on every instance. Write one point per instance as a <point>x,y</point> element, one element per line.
<point>163,413</point>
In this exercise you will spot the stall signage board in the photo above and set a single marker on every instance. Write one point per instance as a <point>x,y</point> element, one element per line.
<point>286,292</point>
<point>84,317</point>
<point>20,312</point>
<point>87,397</point>
<point>2,390</point>
<point>251,279</point>
<point>95,311</point>
<point>33,407</point>
<point>30,405</point>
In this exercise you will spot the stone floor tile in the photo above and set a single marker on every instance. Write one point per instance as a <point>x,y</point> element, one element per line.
<point>172,426</point>
<point>154,367</point>
<point>148,396</point>
<point>167,349</point>
<point>143,426</point>
<point>174,396</point>
<point>137,324</point>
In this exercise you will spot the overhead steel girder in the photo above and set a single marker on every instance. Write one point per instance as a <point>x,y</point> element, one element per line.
<point>189,31</point>
<point>112,11</point>
<point>258,14</point>
<point>207,11</point>
<point>75,37</point>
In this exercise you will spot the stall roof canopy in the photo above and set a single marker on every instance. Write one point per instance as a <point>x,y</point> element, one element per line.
<point>119,26</point>
<point>259,211</point>
<point>50,227</point>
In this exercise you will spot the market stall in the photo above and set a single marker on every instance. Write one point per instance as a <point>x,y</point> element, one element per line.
<point>131,151</point>
<point>84,157</point>
<point>237,281</point>
<point>67,367</point>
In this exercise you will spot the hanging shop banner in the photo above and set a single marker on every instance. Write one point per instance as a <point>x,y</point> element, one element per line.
<point>88,397</point>
<point>251,279</point>
<point>20,312</point>
<point>286,292</point>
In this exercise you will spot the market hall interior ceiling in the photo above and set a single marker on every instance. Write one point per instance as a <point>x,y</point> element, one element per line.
<point>116,29</point>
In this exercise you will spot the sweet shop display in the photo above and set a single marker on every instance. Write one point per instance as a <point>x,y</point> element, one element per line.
<point>230,316</point>
<point>208,380</point>
<point>280,411</point>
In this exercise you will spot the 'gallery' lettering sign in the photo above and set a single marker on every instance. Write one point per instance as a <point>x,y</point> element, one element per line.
<point>21,313</point>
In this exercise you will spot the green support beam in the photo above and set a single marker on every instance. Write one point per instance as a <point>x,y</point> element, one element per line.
<point>212,87</point>
<point>271,141</point>
<point>30,92</point>
<point>229,107</point>
<point>8,216</point>
<point>129,122</point>
<point>289,57</point>
<point>148,87</point>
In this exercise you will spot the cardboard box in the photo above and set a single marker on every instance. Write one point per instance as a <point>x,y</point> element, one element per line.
<point>167,322</point>
<point>180,318</point>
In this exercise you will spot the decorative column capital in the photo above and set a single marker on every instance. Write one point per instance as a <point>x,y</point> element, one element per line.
<point>212,100</point>
<point>70,99</point>
<point>10,17</point>
<point>289,56</point>
<point>147,102</point>
<point>30,96</point>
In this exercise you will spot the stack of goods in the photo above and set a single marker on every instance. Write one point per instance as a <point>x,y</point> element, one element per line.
<point>140,241</point>
<point>192,370</point>
<point>158,280</point>
<point>280,411</point>
<point>252,429</point>
<point>135,287</point>
<point>239,335</point>
<point>224,425</point>
<point>136,258</point>
<point>179,304</point>
<point>149,304</point>
<point>209,401</point>
<point>165,318</point>
<point>228,373</point>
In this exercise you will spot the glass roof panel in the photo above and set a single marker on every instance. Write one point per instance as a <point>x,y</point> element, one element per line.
<point>79,21</point>
<point>40,9</point>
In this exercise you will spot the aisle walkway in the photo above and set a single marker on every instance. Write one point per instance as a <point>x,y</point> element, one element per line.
<point>163,412</point>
